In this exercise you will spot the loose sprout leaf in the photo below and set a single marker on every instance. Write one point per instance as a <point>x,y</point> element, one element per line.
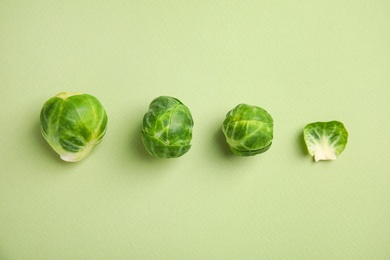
<point>248,130</point>
<point>167,128</point>
<point>73,124</point>
<point>325,140</point>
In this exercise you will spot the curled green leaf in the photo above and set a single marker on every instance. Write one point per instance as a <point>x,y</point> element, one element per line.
<point>325,140</point>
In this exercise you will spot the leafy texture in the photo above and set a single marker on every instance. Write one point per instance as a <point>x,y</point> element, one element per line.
<point>325,140</point>
<point>73,123</point>
<point>248,130</point>
<point>167,128</point>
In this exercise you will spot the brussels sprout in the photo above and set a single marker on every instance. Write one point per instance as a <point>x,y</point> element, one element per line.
<point>167,128</point>
<point>73,123</point>
<point>248,130</point>
<point>325,140</point>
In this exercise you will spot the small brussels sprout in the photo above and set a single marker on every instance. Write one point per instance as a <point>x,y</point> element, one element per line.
<point>325,140</point>
<point>248,130</point>
<point>73,123</point>
<point>167,128</point>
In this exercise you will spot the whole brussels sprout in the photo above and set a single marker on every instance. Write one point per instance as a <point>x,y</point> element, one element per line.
<point>167,128</point>
<point>73,123</point>
<point>248,130</point>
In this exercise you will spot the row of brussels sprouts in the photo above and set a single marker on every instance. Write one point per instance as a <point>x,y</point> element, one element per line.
<point>73,123</point>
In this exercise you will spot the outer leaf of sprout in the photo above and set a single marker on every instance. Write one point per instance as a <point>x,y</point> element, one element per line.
<point>325,140</point>
<point>73,123</point>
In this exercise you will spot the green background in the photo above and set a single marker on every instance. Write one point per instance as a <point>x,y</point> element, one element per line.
<point>303,61</point>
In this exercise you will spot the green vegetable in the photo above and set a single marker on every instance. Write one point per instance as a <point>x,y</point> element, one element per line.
<point>248,130</point>
<point>73,123</point>
<point>325,140</point>
<point>167,128</point>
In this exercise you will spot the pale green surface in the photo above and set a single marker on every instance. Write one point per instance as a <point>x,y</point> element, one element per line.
<point>302,61</point>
